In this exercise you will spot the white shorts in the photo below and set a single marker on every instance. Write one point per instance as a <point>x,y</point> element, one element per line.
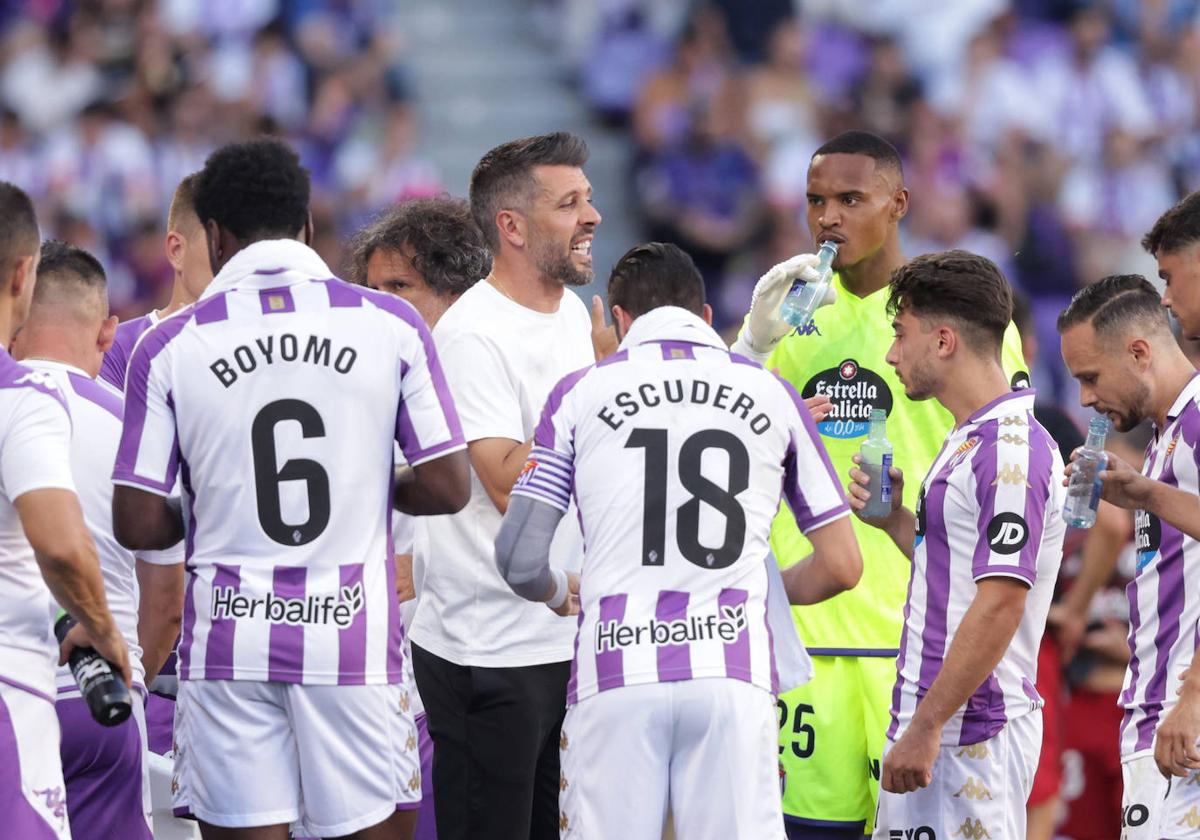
<point>708,748</point>
<point>336,758</point>
<point>977,791</point>
<point>33,798</point>
<point>1156,808</point>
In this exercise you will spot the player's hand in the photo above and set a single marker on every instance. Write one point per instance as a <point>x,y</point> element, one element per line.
<point>406,590</point>
<point>1068,627</point>
<point>1175,750</point>
<point>604,335</point>
<point>819,407</point>
<point>570,606</point>
<point>1120,484</point>
<point>1111,641</point>
<point>908,766</point>
<point>858,494</point>
<point>110,645</point>
<point>764,327</point>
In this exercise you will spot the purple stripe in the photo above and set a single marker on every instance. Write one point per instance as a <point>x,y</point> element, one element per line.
<point>937,583</point>
<point>806,520</point>
<point>674,350</point>
<point>737,652</point>
<point>395,627</point>
<point>211,311</point>
<point>1171,595</point>
<point>984,714</point>
<point>27,689</point>
<point>95,393</point>
<point>276,301</point>
<point>268,272</point>
<point>739,359</point>
<point>341,294</point>
<point>544,434</point>
<point>135,402</point>
<point>674,661</point>
<point>189,627</point>
<point>116,360</point>
<point>610,665</point>
<point>352,641</point>
<point>877,653</point>
<point>218,655</point>
<point>285,656</point>
<point>13,375</point>
<point>189,498</point>
<point>615,358</point>
<point>1135,624</point>
<point>897,687</point>
<point>573,680</point>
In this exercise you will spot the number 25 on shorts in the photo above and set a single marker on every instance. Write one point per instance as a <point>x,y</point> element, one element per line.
<point>801,735</point>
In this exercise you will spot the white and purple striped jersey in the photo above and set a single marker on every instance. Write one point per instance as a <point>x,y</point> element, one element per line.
<point>1164,602</point>
<point>35,445</point>
<point>277,398</point>
<point>675,452</point>
<point>116,361</point>
<point>990,506</point>
<point>96,419</point>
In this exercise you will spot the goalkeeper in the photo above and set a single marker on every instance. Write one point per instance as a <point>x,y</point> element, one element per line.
<point>832,729</point>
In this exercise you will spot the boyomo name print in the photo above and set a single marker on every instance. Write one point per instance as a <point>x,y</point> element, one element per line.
<point>337,609</point>
<point>725,627</point>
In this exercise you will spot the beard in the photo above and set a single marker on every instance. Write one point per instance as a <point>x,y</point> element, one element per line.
<point>555,265</point>
<point>919,383</point>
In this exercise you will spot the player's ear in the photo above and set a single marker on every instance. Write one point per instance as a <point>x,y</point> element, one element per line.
<point>899,203</point>
<point>1140,350</point>
<point>175,247</point>
<point>21,275</point>
<point>947,341</point>
<point>621,321</point>
<point>706,314</point>
<point>511,226</point>
<point>108,332</point>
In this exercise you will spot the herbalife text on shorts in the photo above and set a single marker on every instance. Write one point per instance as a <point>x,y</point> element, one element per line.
<point>338,609</point>
<point>613,635</point>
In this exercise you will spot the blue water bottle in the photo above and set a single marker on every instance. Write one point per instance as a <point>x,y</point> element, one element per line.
<point>802,301</point>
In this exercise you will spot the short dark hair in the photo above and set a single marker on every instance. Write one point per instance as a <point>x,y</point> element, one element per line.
<point>440,236</point>
<point>1176,228</point>
<point>653,275</point>
<point>256,189</point>
<point>1113,303</point>
<point>965,287</point>
<point>864,143</point>
<point>183,202</point>
<point>503,178</point>
<point>65,265</point>
<point>19,234</point>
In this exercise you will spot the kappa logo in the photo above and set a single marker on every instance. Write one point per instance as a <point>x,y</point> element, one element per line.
<point>1011,474</point>
<point>55,802</point>
<point>562,781</point>
<point>37,377</point>
<point>974,789</point>
<point>563,743</point>
<point>1015,440</point>
<point>972,830</point>
<point>414,782</point>
<point>405,703</point>
<point>1007,533</point>
<point>1191,819</point>
<point>808,329</point>
<point>974,751</point>
<point>411,743</point>
<point>563,822</point>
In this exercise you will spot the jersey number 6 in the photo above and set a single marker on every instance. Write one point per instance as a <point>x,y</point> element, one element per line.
<point>268,477</point>
<point>687,516</point>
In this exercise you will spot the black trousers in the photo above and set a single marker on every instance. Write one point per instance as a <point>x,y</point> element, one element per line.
<point>495,738</point>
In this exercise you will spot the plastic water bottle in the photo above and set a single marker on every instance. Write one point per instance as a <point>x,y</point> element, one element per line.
<point>876,453</point>
<point>1083,492</point>
<point>801,302</point>
<point>106,693</point>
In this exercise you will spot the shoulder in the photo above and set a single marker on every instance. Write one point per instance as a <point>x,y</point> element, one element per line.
<point>23,385</point>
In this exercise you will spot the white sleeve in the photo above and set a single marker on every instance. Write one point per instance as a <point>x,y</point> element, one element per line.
<point>35,451</point>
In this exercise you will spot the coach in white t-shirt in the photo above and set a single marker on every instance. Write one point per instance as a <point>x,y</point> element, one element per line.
<point>492,668</point>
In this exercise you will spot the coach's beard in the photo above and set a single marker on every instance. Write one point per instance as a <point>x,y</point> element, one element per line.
<point>559,267</point>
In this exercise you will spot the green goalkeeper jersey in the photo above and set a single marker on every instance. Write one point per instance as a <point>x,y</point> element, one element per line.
<point>841,355</point>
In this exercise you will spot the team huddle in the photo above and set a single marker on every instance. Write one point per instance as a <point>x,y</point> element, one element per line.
<point>433,553</point>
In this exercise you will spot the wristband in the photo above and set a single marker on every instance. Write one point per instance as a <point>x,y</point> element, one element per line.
<point>562,588</point>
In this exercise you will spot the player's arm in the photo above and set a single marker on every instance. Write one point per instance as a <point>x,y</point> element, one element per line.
<point>438,486</point>
<point>523,555</point>
<point>144,521</point>
<point>986,630</point>
<point>160,609</point>
<point>498,462</point>
<point>834,566</point>
<point>1125,487</point>
<point>901,524</point>
<point>53,523</point>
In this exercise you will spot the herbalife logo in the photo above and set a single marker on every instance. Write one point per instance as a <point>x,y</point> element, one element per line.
<point>310,609</point>
<point>726,627</point>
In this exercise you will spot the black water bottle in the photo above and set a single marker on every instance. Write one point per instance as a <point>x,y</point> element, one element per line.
<point>106,693</point>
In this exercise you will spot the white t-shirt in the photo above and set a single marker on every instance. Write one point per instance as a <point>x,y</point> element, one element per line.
<point>277,398</point>
<point>676,452</point>
<point>96,411</point>
<point>35,445</point>
<point>501,360</point>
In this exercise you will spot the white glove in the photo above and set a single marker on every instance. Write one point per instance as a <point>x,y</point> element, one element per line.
<point>764,327</point>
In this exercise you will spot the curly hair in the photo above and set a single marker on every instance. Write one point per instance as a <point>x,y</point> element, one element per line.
<point>255,190</point>
<point>438,235</point>
<point>503,178</point>
<point>964,287</point>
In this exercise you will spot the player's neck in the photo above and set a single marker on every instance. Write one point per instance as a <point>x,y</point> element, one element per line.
<point>524,286</point>
<point>179,299</point>
<point>6,324</point>
<point>875,272</point>
<point>971,386</point>
<point>50,344</point>
<point>1171,381</point>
